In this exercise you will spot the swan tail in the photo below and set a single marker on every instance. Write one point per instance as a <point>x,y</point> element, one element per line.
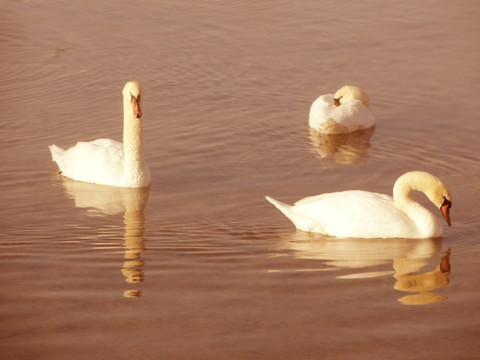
<point>286,209</point>
<point>57,155</point>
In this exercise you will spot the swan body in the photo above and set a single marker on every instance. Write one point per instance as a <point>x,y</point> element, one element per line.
<point>346,111</point>
<point>109,162</point>
<point>363,214</point>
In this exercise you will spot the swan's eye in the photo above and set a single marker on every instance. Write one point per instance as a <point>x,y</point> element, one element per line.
<point>446,202</point>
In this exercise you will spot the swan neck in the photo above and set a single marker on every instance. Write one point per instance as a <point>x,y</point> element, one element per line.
<point>427,224</point>
<point>402,195</point>
<point>132,137</point>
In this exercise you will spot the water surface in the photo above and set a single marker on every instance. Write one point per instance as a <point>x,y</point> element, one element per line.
<point>200,266</point>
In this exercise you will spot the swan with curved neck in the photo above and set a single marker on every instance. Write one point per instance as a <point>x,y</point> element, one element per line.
<point>106,161</point>
<point>346,111</point>
<point>363,214</point>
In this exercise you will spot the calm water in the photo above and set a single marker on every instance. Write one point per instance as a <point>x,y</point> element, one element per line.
<point>200,266</point>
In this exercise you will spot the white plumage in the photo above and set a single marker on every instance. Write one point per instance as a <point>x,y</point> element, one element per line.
<point>109,162</point>
<point>364,214</point>
<point>346,111</point>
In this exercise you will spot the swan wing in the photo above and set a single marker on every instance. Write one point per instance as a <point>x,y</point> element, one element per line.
<point>349,214</point>
<point>99,161</point>
<point>354,115</point>
<point>327,118</point>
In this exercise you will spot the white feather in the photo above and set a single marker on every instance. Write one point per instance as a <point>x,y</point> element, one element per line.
<point>364,214</point>
<point>106,161</point>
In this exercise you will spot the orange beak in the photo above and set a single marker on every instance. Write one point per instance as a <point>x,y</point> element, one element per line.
<point>445,209</point>
<point>137,112</point>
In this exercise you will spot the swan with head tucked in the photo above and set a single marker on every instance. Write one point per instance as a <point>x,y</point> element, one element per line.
<point>109,162</point>
<point>346,111</point>
<point>363,214</point>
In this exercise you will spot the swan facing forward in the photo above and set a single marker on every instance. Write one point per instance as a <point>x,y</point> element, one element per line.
<point>363,214</point>
<point>346,111</point>
<point>109,162</point>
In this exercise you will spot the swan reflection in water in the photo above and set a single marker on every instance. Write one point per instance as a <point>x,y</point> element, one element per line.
<point>408,257</point>
<point>348,148</point>
<point>421,284</point>
<point>100,200</point>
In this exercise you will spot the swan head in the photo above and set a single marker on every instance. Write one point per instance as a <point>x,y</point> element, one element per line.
<point>132,94</point>
<point>438,193</point>
<point>433,188</point>
<point>348,93</point>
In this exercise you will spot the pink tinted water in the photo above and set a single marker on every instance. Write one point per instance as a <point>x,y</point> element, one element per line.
<point>200,266</point>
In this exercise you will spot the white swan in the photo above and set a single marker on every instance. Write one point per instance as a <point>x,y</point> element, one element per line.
<point>363,214</point>
<point>346,111</point>
<point>109,162</point>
